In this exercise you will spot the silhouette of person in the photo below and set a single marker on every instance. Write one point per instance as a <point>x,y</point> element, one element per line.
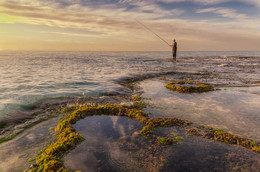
<point>174,49</point>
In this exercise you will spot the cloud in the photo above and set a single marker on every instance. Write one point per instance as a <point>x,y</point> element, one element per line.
<point>253,2</point>
<point>151,7</point>
<point>196,1</point>
<point>66,18</point>
<point>173,1</point>
<point>108,18</point>
<point>72,34</point>
<point>114,25</point>
<point>208,2</point>
<point>225,12</point>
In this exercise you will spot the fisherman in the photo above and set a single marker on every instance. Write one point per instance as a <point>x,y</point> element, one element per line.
<point>174,46</point>
<point>174,50</point>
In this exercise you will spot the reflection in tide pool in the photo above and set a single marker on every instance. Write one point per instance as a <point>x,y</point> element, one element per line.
<point>195,154</point>
<point>111,145</point>
<point>235,110</point>
<point>100,151</point>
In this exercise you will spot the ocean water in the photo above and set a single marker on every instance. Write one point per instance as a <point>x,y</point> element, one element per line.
<point>27,78</point>
<point>30,77</point>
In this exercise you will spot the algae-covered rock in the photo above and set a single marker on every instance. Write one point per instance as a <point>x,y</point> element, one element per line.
<point>166,141</point>
<point>188,87</point>
<point>222,136</point>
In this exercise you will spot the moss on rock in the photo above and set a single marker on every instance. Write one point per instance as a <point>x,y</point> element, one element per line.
<point>187,87</point>
<point>136,98</point>
<point>166,141</point>
<point>222,136</point>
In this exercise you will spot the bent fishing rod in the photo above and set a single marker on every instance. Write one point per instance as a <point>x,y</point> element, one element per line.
<point>153,32</point>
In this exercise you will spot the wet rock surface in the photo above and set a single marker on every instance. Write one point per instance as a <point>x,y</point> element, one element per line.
<point>16,153</point>
<point>218,71</point>
<point>228,71</point>
<point>127,150</point>
<point>232,109</point>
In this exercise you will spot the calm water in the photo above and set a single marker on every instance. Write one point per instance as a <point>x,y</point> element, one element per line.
<point>110,145</point>
<point>30,77</point>
<point>101,151</point>
<point>235,110</point>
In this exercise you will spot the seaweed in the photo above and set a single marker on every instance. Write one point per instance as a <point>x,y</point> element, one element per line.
<point>136,98</point>
<point>10,137</point>
<point>166,141</point>
<point>222,136</point>
<point>181,88</point>
<point>179,138</point>
<point>139,105</point>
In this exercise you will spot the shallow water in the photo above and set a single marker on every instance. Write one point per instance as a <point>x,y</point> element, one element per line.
<point>233,109</point>
<point>14,154</point>
<point>30,77</point>
<point>198,154</point>
<point>100,151</point>
<point>110,145</point>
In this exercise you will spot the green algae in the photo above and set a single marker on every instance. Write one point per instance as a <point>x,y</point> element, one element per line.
<point>31,160</point>
<point>179,138</point>
<point>217,131</point>
<point>10,137</point>
<point>181,88</point>
<point>153,123</point>
<point>147,98</point>
<point>166,141</point>
<point>136,98</point>
<point>139,105</point>
<point>222,136</point>
<point>146,131</point>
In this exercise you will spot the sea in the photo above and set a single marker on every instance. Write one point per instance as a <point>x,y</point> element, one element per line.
<point>27,78</point>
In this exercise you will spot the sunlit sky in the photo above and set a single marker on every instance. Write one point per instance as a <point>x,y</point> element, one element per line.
<point>110,25</point>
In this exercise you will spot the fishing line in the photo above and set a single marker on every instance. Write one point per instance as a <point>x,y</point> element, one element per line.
<point>153,32</point>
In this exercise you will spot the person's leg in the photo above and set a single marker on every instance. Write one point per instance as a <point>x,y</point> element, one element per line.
<point>174,55</point>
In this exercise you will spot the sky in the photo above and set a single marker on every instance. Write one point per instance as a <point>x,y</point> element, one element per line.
<point>112,25</point>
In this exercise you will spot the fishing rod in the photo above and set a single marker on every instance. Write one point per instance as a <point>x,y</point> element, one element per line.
<point>153,32</point>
